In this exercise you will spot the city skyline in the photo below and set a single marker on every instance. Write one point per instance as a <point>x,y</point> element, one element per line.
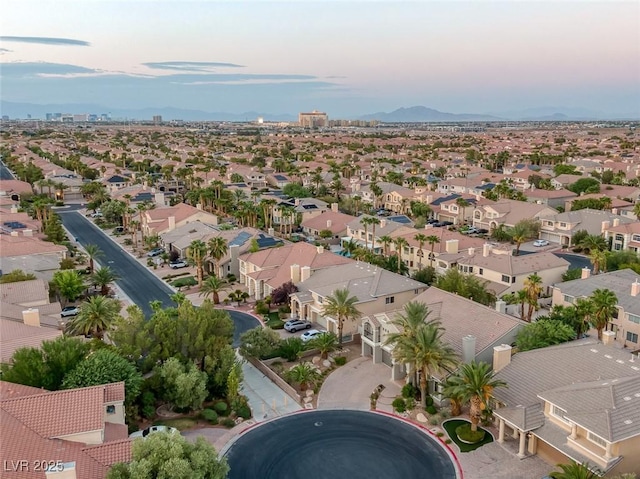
<point>347,58</point>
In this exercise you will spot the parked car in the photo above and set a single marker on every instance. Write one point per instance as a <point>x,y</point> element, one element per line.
<point>180,263</point>
<point>155,252</point>
<point>309,335</point>
<point>294,325</point>
<point>482,231</point>
<point>153,429</point>
<point>540,243</point>
<point>97,214</point>
<point>69,311</point>
<point>470,231</point>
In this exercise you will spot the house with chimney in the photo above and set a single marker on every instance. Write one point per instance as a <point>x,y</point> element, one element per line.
<point>507,213</point>
<point>470,328</point>
<point>624,328</point>
<point>574,402</point>
<point>377,290</point>
<point>623,236</point>
<point>332,221</point>
<point>161,220</point>
<point>69,434</point>
<point>560,227</point>
<point>263,271</point>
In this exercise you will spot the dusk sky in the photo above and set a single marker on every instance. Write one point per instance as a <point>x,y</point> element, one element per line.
<point>347,58</point>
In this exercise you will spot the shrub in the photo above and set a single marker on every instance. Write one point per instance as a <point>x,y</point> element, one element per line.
<point>261,307</point>
<point>210,415</point>
<point>150,262</point>
<point>275,323</point>
<point>465,434</point>
<point>147,402</point>
<point>221,408</point>
<point>399,405</point>
<point>431,409</point>
<point>291,348</point>
<point>188,281</point>
<point>447,441</point>
<point>429,401</point>
<point>434,420</point>
<point>340,360</point>
<point>439,433</point>
<point>409,391</point>
<point>445,413</point>
<point>228,422</point>
<point>411,403</point>
<point>244,411</point>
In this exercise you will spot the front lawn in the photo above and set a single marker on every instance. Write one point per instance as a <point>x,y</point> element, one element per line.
<point>273,320</point>
<point>452,424</point>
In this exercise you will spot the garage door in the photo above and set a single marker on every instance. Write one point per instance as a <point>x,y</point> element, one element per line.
<point>386,358</point>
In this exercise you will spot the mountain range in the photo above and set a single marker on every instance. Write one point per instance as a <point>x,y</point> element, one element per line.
<point>414,114</point>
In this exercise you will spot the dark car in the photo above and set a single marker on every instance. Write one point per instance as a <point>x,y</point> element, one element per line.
<point>482,231</point>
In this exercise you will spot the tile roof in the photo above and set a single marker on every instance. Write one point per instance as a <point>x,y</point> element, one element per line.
<point>25,292</point>
<point>27,245</point>
<point>16,335</point>
<point>515,265</point>
<point>110,453</point>
<point>526,418</point>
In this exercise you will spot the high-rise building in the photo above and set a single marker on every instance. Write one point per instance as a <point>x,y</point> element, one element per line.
<point>315,119</point>
<point>157,119</point>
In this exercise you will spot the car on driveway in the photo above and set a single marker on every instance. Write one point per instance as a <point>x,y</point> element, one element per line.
<point>69,311</point>
<point>309,335</point>
<point>153,429</point>
<point>155,252</point>
<point>178,264</point>
<point>540,243</point>
<point>294,325</point>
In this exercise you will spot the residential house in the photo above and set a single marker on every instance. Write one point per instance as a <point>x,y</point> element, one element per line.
<point>551,198</point>
<point>624,237</point>
<point>564,180</point>
<point>278,180</point>
<point>79,433</point>
<point>161,220</point>
<point>357,232</point>
<point>25,331</point>
<point>578,401</point>
<point>377,290</point>
<point>624,328</point>
<point>508,213</point>
<point>560,227</point>
<point>13,189</point>
<point>470,328</point>
<point>263,271</point>
<point>251,177</point>
<point>504,272</point>
<point>332,221</point>
<point>30,254</point>
<point>303,209</point>
<point>451,210</point>
<point>116,182</point>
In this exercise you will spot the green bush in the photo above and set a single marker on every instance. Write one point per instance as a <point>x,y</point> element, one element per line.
<point>148,405</point>
<point>340,360</point>
<point>188,281</point>
<point>221,408</point>
<point>431,409</point>
<point>291,348</point>
<point>399,405</point>
<point>465,434</point>
<point>228,422</point>
<point>261,307</point>
<point>409,391</point>
<point>210,415</point>
<point>244,411</point>
<point>276,323</point>
<point>434,420</point>
<point>411,403</point>
<point>429,401</point>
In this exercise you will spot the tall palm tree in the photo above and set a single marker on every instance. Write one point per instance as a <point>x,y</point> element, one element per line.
<point>475,382</point>
<point>341,307</point>
<point>533,288</point>
<point>386,241</point>
<point>604,307</point>
<point>520,233</point>
<point>427,353</point>
<point>373,222</point>
<point>218,247</point>
<point>421,238</point>
<point>196,252</point>
<point>103,277</point>
<point>400,243</point>
<point>593,242</point>
<point>432,240</point>
<point>212,287</point>
<point>598,259</point>
<point>584,309</point>
<point>95,317</point>
<point>365,221</point>
<point>462,203</point>
<point>93,252</point>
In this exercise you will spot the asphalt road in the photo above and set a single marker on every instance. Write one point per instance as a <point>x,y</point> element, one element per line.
<point>5,174</point>
<point>351,444</point>
<point>136,281</point>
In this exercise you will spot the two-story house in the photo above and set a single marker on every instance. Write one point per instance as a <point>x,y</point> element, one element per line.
<point>624,328</point>
<point>332,221</point>
<point>377,290</point>
<point>508,213</point>
<point>578,401</point>
<point>623,237</point>
<point>560,227</point>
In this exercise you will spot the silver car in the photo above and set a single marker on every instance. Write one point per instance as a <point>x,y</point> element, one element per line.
<point>294,325</point>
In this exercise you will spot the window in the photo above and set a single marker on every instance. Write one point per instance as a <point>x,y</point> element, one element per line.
<point>635,238</point>
<point>596,439</point>
<point>633,337</point>
<point>619,238</point>
<point>480,271</point>
<point>559,413</point>
<point>506,279</point>
<point>563,225</point>
<point>634,318</point>
<point>390,300</point>
<point>111,409</point>
<point>568,299</point>
<point>513,279</point>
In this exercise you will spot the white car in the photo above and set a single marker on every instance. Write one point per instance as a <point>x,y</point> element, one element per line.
<point>153,429</point>
<point>69,311</point>
<point>178,264</point>
<point>309,335</point>
<point>540,243</point>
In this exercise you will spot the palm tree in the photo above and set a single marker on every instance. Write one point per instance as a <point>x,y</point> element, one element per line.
<point>593,242</point>
<point>605,304</point>
<point>373,222</point>
<point>103,277</point>
<point>636,210</point>
<point>427,353</point>
<point>212,287</point>
<point>462,203</point>
<point>93,252</point>
<point>475,382</point>
<point>341,307</point>
<point>451,392</point>
<point>218,247</point>
<point>421,238</point>
<point>520,233</point>
<point>365,222</point>
<point>196,252</point>
<point>533,288</point>
<point>325,343</point>
<point>305,374</point>
<point>598,259</point>
<point>432,240</point>
<point>400,243</point>
<point>386,241</point>
<point>584,312</point>
<point>573,470</point>
<point>95,317</point>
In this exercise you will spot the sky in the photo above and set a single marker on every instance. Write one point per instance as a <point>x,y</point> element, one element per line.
<point>346,58</point>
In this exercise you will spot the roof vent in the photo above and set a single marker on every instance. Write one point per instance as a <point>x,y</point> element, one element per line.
<point>593,350</point>
<point>627,398</point>
<point>628,421</point>
<point>635,368</point>
<point>619,361</point>
<point>608,356</point>
<point>637,395</point>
